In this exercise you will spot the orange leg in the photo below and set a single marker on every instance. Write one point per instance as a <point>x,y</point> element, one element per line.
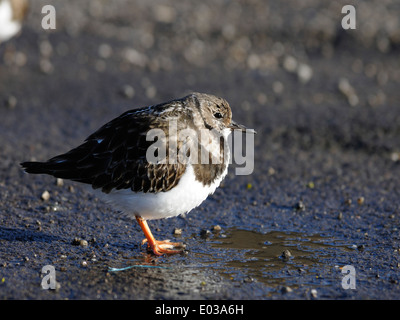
<point>158,247</point>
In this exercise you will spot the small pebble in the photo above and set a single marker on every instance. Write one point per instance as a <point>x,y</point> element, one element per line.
<point>278,87</point>
<point>248,280</point>
<point>45,196</point>
<point>360,200</point>
<point>348,91</point>
<point>300,206</point>
<point>83,243</point>
<point>290,64</point>
<point>20,59</point>
<point>217,228</point>
<point>128,91</point>
<point>46,49</point>
<point>347,202</point>
<point>105,51</point>
<point>11,102</point>
<point>205,233</point>
<point>314,293</point>
<point>304,73</point>
<point>59,182</point>
<point>177,231</point>
<point>164,13</point>
<point>46,66</point>
<point>287,290</point>
<point>58,286</point>
<point>395,156</point>
<point>135,57</point>
<point>79,242</point>
<point>271,171</point>
<point>84,263</point>
<point>286,254</point>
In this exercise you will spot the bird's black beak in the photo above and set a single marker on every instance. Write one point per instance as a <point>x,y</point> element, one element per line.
<point>236,126</point>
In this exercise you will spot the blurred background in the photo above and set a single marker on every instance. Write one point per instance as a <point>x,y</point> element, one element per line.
<point>324,101</point>
<point>286,68</point>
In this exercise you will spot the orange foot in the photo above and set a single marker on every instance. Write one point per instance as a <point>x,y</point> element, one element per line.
<point>165,246</point>
<point>158,247</point>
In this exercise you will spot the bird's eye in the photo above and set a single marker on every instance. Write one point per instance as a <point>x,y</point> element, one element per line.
<point>218,115</point>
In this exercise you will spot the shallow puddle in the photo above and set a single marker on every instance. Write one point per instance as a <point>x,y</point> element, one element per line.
<point>275,258</point>
<point>244,256</point>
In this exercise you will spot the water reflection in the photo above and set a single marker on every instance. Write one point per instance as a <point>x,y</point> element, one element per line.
<point>242,256</point>
<point>260,256</point>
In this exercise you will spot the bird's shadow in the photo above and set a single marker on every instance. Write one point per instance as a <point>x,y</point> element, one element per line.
<point>26,235</point>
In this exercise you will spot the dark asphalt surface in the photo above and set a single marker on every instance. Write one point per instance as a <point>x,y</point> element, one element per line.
<point>325,104</point>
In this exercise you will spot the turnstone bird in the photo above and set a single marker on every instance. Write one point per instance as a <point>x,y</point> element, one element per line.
<point>121,162</point>
<point>12,13</point>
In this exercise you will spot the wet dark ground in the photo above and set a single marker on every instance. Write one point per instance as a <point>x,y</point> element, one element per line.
<point>327,154</point>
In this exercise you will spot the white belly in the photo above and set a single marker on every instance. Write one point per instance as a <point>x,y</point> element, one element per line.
<point>186,195</point>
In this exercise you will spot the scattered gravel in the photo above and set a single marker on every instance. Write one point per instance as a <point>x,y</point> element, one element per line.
<point>323,102</point>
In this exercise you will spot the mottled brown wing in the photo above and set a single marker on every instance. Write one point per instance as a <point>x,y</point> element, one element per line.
<point>114,157</point>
